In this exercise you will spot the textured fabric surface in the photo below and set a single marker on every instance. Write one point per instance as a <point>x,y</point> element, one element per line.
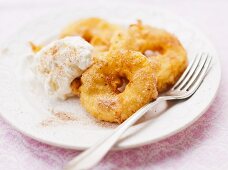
<point>201,146</point>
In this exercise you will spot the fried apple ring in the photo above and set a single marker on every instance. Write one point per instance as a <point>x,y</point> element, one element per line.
<point>159,46</point>
<point>76,83</point>
<point>96,31</point>
<point>101,92</point>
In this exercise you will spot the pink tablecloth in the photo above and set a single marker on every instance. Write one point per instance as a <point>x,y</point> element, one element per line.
<point>203,145</point>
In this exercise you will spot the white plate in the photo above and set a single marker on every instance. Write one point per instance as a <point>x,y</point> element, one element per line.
<point>24,105</point>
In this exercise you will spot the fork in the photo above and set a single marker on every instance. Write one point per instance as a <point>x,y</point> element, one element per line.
<point>185,87</point>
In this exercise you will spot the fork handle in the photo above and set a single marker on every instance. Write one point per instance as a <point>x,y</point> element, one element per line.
<point>93,155</point>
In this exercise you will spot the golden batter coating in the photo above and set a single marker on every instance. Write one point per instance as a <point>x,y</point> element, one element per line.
<point>96,31</point>
<point>34,47</point>
<point>159,46</point>
<point>76,83</point>
<point>102,91</point>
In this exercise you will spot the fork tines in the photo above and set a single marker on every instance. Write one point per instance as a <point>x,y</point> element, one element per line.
<point>194,74</point>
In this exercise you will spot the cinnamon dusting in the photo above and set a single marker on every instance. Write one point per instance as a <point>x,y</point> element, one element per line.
<point>58,118</point>
<point>63,116</point>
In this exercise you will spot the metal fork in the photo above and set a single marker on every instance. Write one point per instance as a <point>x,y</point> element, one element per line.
<point>183,89</point>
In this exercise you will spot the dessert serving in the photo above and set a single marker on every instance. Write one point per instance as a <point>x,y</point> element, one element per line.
<point>72,77</point>
<point>112,69</point>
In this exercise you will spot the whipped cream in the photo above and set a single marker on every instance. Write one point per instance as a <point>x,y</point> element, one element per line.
<point>60,62</point>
